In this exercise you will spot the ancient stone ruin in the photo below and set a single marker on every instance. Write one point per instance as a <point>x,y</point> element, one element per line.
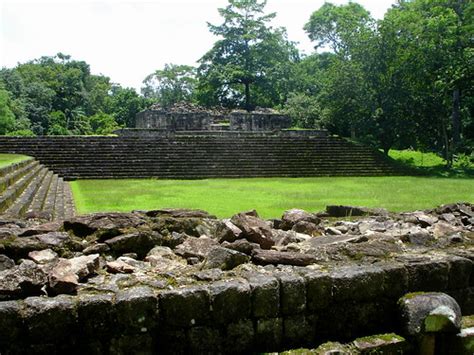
<point>189,117</point>
<point>184,281</point>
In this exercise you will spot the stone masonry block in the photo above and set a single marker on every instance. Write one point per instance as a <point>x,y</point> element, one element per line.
<point>185,307</point>
<point>318,290</point>
<point>292,293</point>
<point>429,275</point>
<point>204,340</point>
<point>230,300</point>
<point>96,315</point>
<point>357,283</point>
<point>50,320</point>
<point>395,281</point>
<point>10,325</point>
<point>297,331</point>
<point>460,271</point>
<point>265,295</point>
<point>240,337</point>
<point>137,310</point>
<point>268,334</point>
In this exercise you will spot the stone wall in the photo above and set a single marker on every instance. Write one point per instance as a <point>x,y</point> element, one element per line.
<point>173,121</point>
<point>199,119</point>
<point>249,121</point>
<point>183,281</point>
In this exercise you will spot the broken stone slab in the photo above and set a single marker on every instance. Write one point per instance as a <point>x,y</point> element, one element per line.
<point>67,273</point>
<point>179,213</point>
<point>226,231</point>
<point>241,245</point>
<point>293,216</point>
<point>429,313</point>
<point>107,224</point>
<point>381,344</point>
<point>443,229</point>
<point>353,211</point>
<point>224,259</point>
<point>273,257</point>
<point>119,267</point>
<point>283,238</point>
<point>254,229</point>
<point>41,229</point>
<point>425,220</point>
<point>6,262</point>
<point>307,227</point>
<point>140,243</point>
<point>26,279</point>
<point>45,256</point>
<point>196,247</point>
<point>96,248</point>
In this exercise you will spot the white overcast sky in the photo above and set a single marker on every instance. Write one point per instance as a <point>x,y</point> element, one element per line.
<point>129,39</point>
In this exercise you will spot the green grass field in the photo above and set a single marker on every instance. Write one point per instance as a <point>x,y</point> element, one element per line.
<point>270,197</point>
<point>7,159</point>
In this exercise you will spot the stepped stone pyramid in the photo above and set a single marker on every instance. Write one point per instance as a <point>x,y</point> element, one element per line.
<point>192,156</point>
<point>30,190</point>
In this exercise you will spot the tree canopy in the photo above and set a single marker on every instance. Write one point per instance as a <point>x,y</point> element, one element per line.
<point>403,81</point>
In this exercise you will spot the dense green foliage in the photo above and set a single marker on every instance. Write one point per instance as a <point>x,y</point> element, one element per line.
<point>270,197</point>
<point>59,96</point>
<point>405,81</point>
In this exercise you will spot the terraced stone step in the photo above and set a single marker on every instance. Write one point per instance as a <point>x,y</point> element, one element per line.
<point>23,201</point>
<point>32,191</point>
<point>201,156</point>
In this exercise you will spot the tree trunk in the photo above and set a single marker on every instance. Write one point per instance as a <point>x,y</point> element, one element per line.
<point>456,118</point>
<point>247,97</point>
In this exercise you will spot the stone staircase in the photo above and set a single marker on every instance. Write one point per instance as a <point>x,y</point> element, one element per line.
<point>194,157</point>
<point>29,189</point>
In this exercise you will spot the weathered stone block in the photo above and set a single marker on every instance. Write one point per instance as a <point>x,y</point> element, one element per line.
<point>268,334</point>
<point>204,340</point>
<point>387,344</point>
<point>137,310</point>
<point>265,295</point>
<point>50,320</point>
<point>171,341</point>
<point>230,300</point>
<point>318,290</point>
<point>96,316</point>
<point>460,271</point>
<point>185,307</point>
<point>429,275</point>
<point>239,337</point>
<point>395,281</point>
<point>357,283</point>
<point>297,331</point>
<point>142,344</point>
<point>10,326</point>
<point>429,312</point>
<point>292,293</point>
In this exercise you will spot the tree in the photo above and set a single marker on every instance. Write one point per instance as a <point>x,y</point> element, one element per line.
<point>304,110</point>
<point>7,118</point>
<point>239,69</point>
<point>174,83</point>
<point>103,124</point>
<point>340,27</point>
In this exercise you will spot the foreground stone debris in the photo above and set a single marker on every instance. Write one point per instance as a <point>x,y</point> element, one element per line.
<point>183,281</point>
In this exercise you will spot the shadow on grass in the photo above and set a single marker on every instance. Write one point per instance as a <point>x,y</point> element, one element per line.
<point>441,170</point>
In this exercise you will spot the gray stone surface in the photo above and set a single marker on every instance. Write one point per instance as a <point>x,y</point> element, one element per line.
<point>429,312</point>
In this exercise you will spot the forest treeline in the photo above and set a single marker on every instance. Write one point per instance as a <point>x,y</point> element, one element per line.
<point>403,81</point>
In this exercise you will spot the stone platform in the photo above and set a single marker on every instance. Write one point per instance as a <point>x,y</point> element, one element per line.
<point>202,156</point>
